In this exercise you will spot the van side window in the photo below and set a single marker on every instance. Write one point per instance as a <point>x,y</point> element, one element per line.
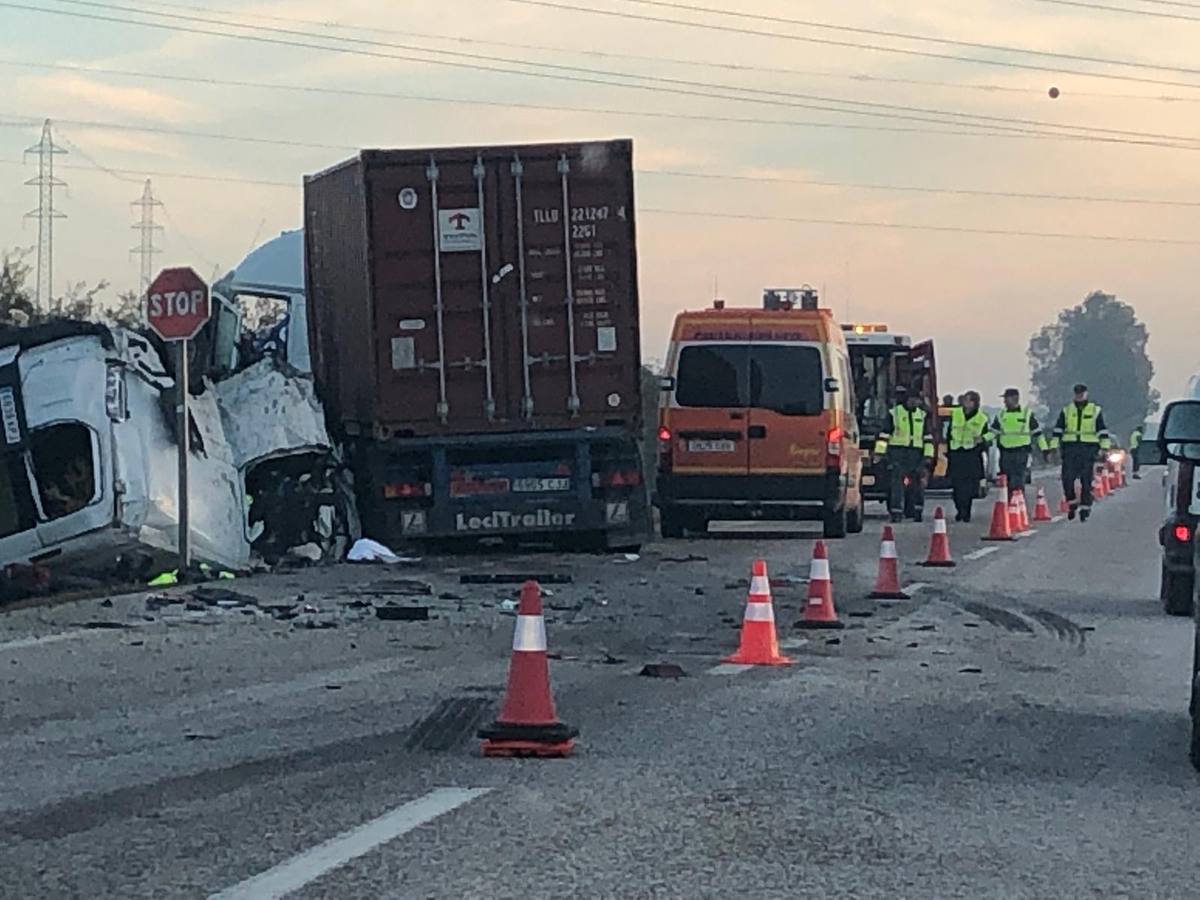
<point>63,468</point>
<point>713,375</point>
<point>787,379</point>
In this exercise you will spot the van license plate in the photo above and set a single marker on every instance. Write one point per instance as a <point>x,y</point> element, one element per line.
<point>711,446</point>
<point>868,480</point>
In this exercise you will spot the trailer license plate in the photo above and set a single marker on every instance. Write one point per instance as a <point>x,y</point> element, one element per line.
<point>540,485</point>
<point>711,446</point>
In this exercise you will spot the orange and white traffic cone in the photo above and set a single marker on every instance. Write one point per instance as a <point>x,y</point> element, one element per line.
<point>527,724</point>
<point>1001,529</point>
<point>887,584</point>
<point>1063,506</point>
<point>1098,492</point>
<point>1023,511</point>
<point>939,543</point>
<point>1014,516</point>
<point>1041,510</point>
<point>759,644</point>
<point>819,611</point>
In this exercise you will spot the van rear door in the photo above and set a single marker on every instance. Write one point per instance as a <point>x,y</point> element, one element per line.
<point>787,422</point>
<point>709,413</point>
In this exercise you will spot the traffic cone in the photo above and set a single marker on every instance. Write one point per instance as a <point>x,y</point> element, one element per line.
<point>1063,506</point>
<point>1041,510</point>
<point>1023,511</point>
<point>939,543</point>
<point>819,611</point>
<point>1000,529</point>
<point>1014,516</point>
<point>760,645</point>
<point>887,585</point>
<point>1098,492</point>
<point>527,724</point>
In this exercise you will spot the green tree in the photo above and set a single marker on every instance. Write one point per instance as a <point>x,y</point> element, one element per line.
<point>1101,343</point>
<point>14,285</point>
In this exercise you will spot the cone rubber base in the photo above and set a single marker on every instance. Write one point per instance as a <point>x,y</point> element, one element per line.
<point>988,537</point>
<point>947,564</point>
<point>820,626</point>
<point>529,748</point>
<point>888,595</point>
<point>735,659</point>
<point>516,733</point>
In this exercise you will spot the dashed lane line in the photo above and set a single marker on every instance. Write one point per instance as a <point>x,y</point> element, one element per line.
<point>728,669</point>
<point>980,553</point>
<point>300,870</point>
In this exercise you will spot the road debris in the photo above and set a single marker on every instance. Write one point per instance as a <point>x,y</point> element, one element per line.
<point>398,587</point>
<point>662,670</point>
<point>396,613</point>
<point>367,550</point>
<point>542,578</point>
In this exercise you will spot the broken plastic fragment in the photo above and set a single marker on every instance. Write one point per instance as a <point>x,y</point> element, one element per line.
<point>164,579</point>
<point>367,550</point>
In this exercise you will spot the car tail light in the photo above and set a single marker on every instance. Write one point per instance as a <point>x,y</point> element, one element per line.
<point>405,490</point>
<point>1183,534</point>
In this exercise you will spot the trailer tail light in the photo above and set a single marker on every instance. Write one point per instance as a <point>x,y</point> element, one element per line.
<point>406,490</point>
<point>1183,534</point>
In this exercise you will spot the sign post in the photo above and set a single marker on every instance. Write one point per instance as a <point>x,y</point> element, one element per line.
<point>177,307</point>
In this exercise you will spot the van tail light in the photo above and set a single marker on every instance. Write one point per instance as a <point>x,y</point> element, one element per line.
<point>664,449</point>
<point>833,447</point>
<point>1183,534</point>
<point>664,434</point>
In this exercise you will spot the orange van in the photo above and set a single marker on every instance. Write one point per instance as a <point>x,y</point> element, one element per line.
<point>756,419</point>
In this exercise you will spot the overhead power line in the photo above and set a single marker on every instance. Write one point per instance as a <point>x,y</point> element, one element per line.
<point>720,65</point>
<point>880,48</point>
<point>912,226</point>
<point>734,93</point>
<point>1153,13</point>
<point>136,174</point>
<point>906,35</point>
<point>350,92</point>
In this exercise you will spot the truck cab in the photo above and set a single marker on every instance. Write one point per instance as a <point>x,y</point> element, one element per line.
<point>757,418</point>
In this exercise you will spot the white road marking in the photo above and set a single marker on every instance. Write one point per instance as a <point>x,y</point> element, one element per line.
<point>915,588</point>
<point>310,865</point>
<point>980,553</point>
<point>793,643</point>
<point>1057,519</point>
<point>1030,533</point>
<point>729,669</point>
<point>23,643</point>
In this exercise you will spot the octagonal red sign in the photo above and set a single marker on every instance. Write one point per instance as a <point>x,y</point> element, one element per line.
<point>177,304</point>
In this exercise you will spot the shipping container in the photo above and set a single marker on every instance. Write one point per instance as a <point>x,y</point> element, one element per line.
<point>466,290</point>
<point>473,323</point>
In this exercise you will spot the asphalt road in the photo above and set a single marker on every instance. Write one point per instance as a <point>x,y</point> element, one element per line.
<point>1017,729</point>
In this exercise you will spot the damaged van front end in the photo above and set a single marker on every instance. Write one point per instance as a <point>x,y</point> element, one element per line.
<point>89,474</point>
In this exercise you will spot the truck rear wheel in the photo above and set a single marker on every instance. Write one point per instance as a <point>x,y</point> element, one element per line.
<point>834,523</point>
<point>1176,592</point>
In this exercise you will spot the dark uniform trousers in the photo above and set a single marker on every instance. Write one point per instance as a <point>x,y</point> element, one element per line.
<point>1078,464</point>
<point>906,462</point>
<point>1014,465</point>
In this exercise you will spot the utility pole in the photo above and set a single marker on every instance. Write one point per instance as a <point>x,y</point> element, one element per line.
<point>45,214</point>
<point>146,248</point>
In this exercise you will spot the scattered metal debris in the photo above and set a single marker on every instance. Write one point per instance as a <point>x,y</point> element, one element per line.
<point>396,613</point>
<point>662,670</point>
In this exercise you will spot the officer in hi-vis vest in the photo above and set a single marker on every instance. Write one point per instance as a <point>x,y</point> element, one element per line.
<point>1016,429</point>
<point>967,435</point>
<point>908,444</point>
<point>1081,431</point>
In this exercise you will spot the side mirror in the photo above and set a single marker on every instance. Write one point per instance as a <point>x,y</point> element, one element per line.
<point>832,385</point>
<point>666,383</point>
<point>1179,432</point>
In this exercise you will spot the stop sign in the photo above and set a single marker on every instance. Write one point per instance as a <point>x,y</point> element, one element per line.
<point>177,304</point>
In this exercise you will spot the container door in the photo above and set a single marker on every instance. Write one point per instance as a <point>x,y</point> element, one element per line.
<point>570,298</point>
<point>709,413</point>
<point>788,423</point>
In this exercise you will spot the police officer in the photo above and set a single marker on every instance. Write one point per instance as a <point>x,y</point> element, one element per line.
<point>1016,428</point>
<point>968,435</point>
<point>1135,441</point>
<point>1081,431</point>
<point>908,444</point>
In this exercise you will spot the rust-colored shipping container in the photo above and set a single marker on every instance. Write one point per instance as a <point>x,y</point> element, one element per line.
<point>467,290</point>
<point>473,324</point>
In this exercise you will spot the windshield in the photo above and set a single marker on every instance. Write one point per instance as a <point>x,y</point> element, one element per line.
<point>783,378</point>
<point>874,373</point>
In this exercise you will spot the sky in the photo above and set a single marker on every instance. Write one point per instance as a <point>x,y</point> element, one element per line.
<point>762,104</point>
